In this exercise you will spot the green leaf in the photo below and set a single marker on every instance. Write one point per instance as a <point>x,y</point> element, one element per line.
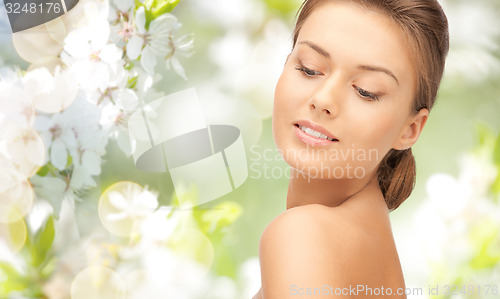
<point>8,270</point>
<point>485,240</point>
<point>156,8</point>
<point>149,18</point>
<point>495,188</point>
<point>45,237</point>
<point>224,261</point>
<point>496,185</point>
<point>11,279</point>
<point>484,134</point>
<point>132,82</point>
<point>18,233</point>
<point>192,244</point>
<point>496,151</point>
<point>69,161</point>
<point>129,66</point>
<point>283,7</point>
<point>218,218</point>
<point>42,242</point>
<point>148,4</point>
<point>48,268</point>
<point>43,171</point>
<point>164,7</point>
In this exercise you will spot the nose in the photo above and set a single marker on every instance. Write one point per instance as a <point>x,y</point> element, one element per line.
<point>323,100</point>
<point>320,108</point>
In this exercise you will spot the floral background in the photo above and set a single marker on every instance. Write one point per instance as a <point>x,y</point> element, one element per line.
<point>79,220</point>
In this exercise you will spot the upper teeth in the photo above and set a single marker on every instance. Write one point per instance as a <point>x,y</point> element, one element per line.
<point>314,133</point>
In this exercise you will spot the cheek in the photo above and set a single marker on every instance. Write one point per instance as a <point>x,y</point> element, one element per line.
<point>285,94</point>
<point>377,129</point>
<point>280,95</point>
<point>279,110</point>
<point>286,103</point>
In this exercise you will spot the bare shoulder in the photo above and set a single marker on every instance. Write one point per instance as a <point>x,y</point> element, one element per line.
<point>314,246</point>
<point>311,237</point>
<point>310,221</point>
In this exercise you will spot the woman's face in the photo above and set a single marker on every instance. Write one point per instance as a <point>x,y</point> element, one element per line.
<point>350,75</point>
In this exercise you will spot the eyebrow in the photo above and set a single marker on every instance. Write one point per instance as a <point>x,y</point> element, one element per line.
<point>370,68</point>
<point>378,69</point>
<point>316,48</point>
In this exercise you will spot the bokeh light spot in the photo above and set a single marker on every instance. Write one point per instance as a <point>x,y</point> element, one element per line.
<point>97,283</point>
<point>123,206</point>
<point>194,245</point>
<point>13,232</point>
<point>15,194</point>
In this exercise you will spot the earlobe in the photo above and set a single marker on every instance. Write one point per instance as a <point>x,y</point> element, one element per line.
<point>412,130</point>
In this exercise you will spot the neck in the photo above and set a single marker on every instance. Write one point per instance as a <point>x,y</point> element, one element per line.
<point>303,190</point>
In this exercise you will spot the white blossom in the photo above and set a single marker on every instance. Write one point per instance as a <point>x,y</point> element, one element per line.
<point>122,21</point>
<point>75,133</point>
<point>456,206</point>
<point>148,44</point>
<point>119,8</point>
<point>182,46</point>
<point>15,106</point>
<point>92,60</point>
<point>132,205</point>
<point>50,93</point>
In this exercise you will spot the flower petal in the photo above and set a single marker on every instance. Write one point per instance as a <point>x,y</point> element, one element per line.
<point>99,35</point>
<point>116,216</point>
<point>146,201</point>
<point>125,143</point>
<point>92,162</point>
<point>81,179</point>
<point>110,54</point>
<point>127,98</point>
<point>140,20</point>
<point>117,200</point>
<point>77,44</point>
<point>163,24</point>
<point>178,67</point>
<point>58,154</point>
<point>148,60</point>
<point>123,5</point>
<point>134,47</point>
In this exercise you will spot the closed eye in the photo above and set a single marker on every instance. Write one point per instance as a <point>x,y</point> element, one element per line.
<point>308,72</point>
<point>366,94</point>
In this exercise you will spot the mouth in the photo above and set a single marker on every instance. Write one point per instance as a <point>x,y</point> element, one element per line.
<point>316,131</point>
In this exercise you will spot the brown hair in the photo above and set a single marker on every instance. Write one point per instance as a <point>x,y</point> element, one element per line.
<point>426,28</point>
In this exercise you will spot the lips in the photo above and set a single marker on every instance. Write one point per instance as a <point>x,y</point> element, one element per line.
<point>317,128</point>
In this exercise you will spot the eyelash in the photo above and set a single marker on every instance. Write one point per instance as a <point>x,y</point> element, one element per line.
<point>306,71</point>
<point>366,94</point>
<point>363,93</point>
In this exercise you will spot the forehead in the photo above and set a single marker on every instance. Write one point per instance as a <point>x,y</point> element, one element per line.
<point>352,33</point>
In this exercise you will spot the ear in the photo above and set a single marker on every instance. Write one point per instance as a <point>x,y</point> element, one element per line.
<point>410,133</point>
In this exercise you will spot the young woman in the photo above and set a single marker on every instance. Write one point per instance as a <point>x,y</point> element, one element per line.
<point>353,98</point>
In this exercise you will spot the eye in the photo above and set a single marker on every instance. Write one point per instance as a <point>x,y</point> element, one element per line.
<point>308,72</point>
<point>366,94</point>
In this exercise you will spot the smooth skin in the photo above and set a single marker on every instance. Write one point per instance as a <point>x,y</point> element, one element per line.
<point>352,73</point>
